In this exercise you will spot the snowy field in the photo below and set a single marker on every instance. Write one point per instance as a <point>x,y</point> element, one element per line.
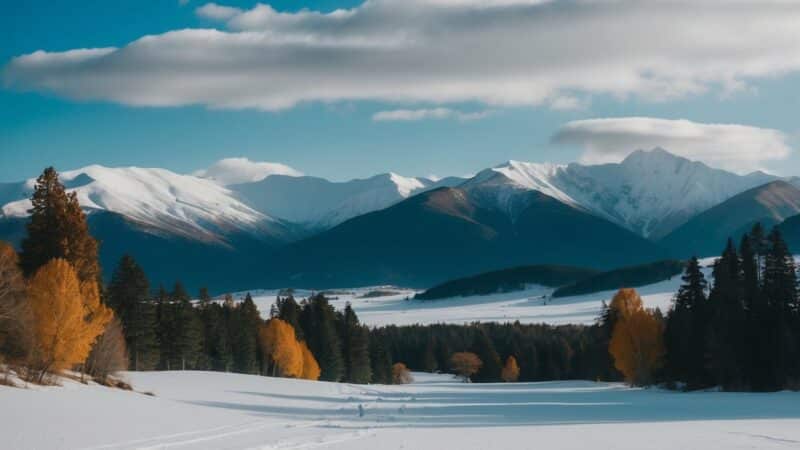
<point>533,305</point>
<point>206,410</point>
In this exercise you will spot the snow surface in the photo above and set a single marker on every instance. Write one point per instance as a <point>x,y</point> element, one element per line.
<point>208,410</point>
<point>532,305</point>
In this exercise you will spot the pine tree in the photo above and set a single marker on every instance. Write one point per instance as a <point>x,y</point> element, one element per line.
<point>187,331</point>
<point>128,295</point>
<point>355,348</point>
<point>380,361</point>
<point>492,367</point>
<point>204,297</point>
<point>216,343</point>
<point>751,289</point>
<point>164,328</point>
<point>246,320</point>
<point>780,291</point>
<point>318,320</point>
<point>287,309</point>
<point>691,297</point>
<point>727,346</point>
<point>58,229</point>
<point>429,357</point>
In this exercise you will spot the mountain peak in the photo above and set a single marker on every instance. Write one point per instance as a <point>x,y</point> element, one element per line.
<point>656,155</point>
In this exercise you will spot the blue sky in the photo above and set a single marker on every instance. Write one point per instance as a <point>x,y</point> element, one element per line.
<point>339,138</point>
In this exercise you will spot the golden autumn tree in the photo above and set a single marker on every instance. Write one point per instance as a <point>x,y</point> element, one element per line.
<point>510,371</point>
<point>15,325</point>
<point>637,344</point>
<point>401,374</point>
<point>465,364</point>
<point>279,345</point>
<point>67,317</point>
<point>311,369</point>
<point>625,302</point>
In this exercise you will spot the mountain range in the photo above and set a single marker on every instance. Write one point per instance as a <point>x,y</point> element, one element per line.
<point>246,224</point>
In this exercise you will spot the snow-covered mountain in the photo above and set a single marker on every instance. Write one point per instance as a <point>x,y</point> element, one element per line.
<point>650,192</point>
<point>157,200</point>
<point>318,204</point>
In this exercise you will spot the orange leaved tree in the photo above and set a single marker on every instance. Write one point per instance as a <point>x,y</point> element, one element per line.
<point>465,364</point>
<point>311,370</point>
<point>637,344</point>
<point>279,345</point>
<point>67,317</point>
<point>401,374</point>
<point>510,371</point>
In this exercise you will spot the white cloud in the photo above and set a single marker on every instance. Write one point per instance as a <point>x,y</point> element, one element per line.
<point>408,115</point>
<point>217,12</point>
<point>502,52</point>
<point>739,148</point>
<point>241,170</point>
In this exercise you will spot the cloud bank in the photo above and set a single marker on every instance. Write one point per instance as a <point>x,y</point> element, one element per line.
<point>499,53</point>
<point>734,147</point>
<point>408,115</point>
<point>241,170</point>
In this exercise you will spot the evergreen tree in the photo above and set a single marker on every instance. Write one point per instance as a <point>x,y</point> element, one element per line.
<point>685,328</point>
<point>287,309</point>
<point>318,321</point>
<point>204,297</point>
<point>492,367</point>
<point>187,330</point>
<point>429,357</point>
<point>778,337</point>
<point>751,289</point>
<point>380,361</point>
<point>128,294</point>
<point>355,348</point>
<point>246,321</point>
<point>216,344</point>
<point>727,346</point>
<point>58,229</point>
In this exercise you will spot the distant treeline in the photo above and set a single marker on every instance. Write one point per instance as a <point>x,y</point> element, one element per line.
<point>569,281</point>
<point>507,280</point>
<point>630,277</point>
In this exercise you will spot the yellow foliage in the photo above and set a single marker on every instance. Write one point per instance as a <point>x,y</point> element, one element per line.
<point>311,370</point>
<point>401,374</point>
<point>280,344</point>
<point>66,319</point>
<point>465,364</point>
<point>637,344</point>
<point>510,371</point>
<point>625,302</point>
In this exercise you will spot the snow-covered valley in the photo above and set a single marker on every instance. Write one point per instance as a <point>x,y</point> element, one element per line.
<point>397,306</point>
<point>206,410</point>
